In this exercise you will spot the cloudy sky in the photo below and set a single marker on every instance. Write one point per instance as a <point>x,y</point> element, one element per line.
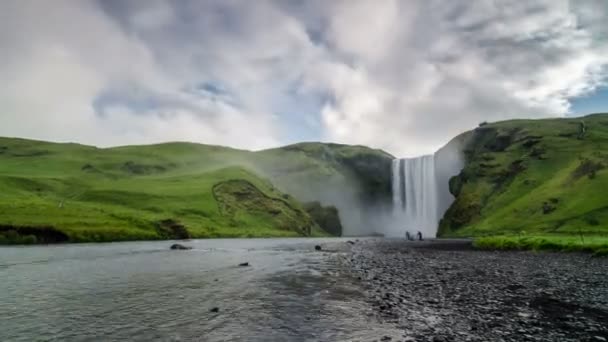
<point>405,76</point>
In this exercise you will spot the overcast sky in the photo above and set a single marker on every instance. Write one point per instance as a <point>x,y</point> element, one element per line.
<point>405,76</point>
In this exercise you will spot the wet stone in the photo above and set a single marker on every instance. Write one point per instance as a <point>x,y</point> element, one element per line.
<point>464,295</point>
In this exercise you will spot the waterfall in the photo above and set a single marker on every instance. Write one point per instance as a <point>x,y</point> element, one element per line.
<point>421,190</point>
<point>415,195</point>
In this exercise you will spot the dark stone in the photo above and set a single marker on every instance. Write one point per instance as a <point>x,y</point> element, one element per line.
<point>88,168</point>
<point>548,208</point>
<point>317,248</point>
<point>177,246</point>
<point>490,296</point>
<point>244,264</point>
<point>215,309</point>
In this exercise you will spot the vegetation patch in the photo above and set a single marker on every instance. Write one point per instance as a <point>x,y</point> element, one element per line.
<point>142,169</point>
<point>88,168</point>
<point>326,217</point>
<point>587,168</point>
<point>598,245</point>
<point>29,153</point>
<point>240,198</point>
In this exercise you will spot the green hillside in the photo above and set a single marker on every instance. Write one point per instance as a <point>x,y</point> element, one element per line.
<point>532,177</point>
<point>55,192</point>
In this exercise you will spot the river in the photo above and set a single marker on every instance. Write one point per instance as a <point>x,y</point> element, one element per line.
<point>142,291</point>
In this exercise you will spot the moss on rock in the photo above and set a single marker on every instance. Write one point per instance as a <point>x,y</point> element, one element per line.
<point>240,197</point>
<point>326,217</point>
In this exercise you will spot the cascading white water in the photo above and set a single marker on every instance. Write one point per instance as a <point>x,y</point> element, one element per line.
<point>421,192</point>
<point>415,196</point>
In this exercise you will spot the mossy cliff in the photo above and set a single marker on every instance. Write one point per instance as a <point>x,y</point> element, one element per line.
<point>532,176</point>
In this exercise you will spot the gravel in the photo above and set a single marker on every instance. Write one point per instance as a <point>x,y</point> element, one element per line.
<point>445,291</point>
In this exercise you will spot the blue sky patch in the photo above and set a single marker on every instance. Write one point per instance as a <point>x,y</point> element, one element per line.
<point>596,102</point>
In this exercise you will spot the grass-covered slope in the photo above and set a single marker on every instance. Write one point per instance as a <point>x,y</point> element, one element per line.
<point>53,192</point>
<point>532,177</point>
<point>65,192</point>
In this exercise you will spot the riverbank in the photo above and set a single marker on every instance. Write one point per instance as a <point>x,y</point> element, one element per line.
<point>597,245</point>
<point>446,291</point>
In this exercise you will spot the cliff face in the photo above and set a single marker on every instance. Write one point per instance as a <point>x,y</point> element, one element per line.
<point>368,171</point>
<point>356,180</point>
<point>544,176</point>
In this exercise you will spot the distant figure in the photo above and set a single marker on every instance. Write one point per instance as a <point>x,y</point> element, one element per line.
<point>419,236</point>
<point>407,236</point>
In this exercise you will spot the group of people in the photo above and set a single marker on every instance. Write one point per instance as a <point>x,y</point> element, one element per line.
<point>410,237</point>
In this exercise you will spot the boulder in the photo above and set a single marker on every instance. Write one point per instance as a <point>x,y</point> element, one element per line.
<point>318,248</point>
<point>177,246</point>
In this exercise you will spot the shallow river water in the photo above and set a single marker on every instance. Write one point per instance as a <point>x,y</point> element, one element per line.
<point>143,291</point>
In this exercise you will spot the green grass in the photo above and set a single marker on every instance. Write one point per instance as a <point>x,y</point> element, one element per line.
<point>114,194</point>
<point>94,208</point>
<point>598,245</point>
<point>545,180</point>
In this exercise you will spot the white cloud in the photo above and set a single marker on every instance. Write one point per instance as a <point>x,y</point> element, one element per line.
<point>454,64</point>
<point>66,54</point>
<point>405,76</point>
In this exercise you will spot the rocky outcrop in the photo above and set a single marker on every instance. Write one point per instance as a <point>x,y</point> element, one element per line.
<point>367,169</point>
<point>10,234</point>
<point>172,230</point>
<point>326,217</point>
<point>241,196</point>
<point>178,246</point>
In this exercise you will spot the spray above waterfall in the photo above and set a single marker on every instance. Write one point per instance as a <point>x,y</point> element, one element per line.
<point>421,191</point>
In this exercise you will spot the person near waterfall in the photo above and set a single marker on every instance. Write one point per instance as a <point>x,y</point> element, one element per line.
<point>419,236</point>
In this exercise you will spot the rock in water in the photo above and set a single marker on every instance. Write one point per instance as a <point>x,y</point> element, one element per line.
<point>244,264</point>
<point>317,248</point>
<point>215,309</point>
<point>177,246</point>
